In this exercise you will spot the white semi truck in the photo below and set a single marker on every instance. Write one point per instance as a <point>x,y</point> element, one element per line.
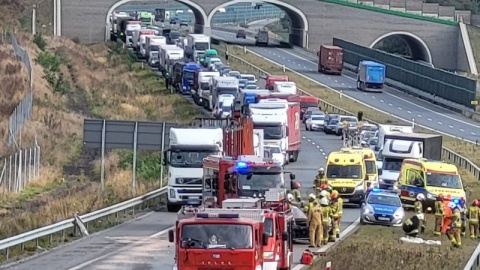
<point>222,86</point>
<point>169,52</point>
<point>184,157</point>
<point>272,118</point>
<point>196,46</point>
<point>285,87</point>
<point>203,87</point>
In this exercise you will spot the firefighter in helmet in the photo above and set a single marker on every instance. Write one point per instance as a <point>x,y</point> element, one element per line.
<point>419,211</point>
<point>315,225</point>
<point>319,178</point>
<point>311,199</point>
<point>439,209</point>
<point>326,218</point>
<point>472,215</point>
<point>337,202</point>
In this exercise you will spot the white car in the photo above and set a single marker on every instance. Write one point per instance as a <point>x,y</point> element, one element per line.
<point>249,77</point>
<point>251,87</point>
<point>214,63</point>
<point>233,73</point>
<point>277,154</point>
<point>315,122</point>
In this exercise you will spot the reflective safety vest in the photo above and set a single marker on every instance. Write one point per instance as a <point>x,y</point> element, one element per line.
<point>327,212</point>
<point>418,207</point>
<point>334,208</point>
<point>456,218</point>
<point>439,207</point>
<point>473,214</point>
<point>296,194</point>
<point>340,206</point>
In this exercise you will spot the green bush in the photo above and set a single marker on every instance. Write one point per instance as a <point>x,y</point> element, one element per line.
<point>51,64</point>
<point>40,41</point>
<point>148,164</point>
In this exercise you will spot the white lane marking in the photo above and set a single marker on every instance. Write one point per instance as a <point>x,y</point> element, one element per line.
<point>409,112</point>
<point>462,130</point>
<point>400,108</point>
<point>390,104</point>
<point>473,133</point>
<point>450,126</point>
<point>440,123</point>
<point>419,115</point>
<point>137,243</point>
<point>429,119</point>
<point>392,95</point>
<point>343,83</point>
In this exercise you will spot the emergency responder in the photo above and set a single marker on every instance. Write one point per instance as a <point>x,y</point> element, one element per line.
<point>311,199</point>
<point>338,219</point>
<point>439,207</point>
<point>472,214</point>
<point>463,216</point>
<point>345,130</point>
<point>418,205</point>
<point>294,189</point>
<point>167,80</point>
<point>324,194</point>
<point>478,205</point>
<point>319,179</point>
<point>410,226</point>
<point>336,208</point>
<point>455,227</point>
<point>326,217</point>
<point>315,225</point>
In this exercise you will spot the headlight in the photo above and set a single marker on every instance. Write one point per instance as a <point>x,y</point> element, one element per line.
<point>172,193</point>
<point>431,196</point>
<point>268,255</point>
<point>367,211</point>
<point>399,213</point>
<point>359,187</point>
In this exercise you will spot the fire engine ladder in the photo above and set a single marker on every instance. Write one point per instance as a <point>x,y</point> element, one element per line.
<point>254,214</point>
<point>351,138</point>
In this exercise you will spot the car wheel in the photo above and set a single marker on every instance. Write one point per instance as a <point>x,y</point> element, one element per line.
<point>361,221</point>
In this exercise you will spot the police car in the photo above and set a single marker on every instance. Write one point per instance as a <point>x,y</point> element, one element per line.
<point>383,208</point>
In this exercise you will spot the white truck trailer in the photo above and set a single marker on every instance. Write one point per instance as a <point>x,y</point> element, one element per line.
<point>196,46</point>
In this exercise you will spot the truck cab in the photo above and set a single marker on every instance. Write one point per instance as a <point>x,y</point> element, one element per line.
<point>197,45</point>
<point>274,78</point>
<point>130,29</point>
<point>285,87</point>
<point>184,79</point>
<point>346,173</point>
<point>233,238</point>
<point>209,54</point>
<point>223,86</point>
<point>201,88</point>
<point>429,177</point>
<point>261,38</point>
<point>184,157</point>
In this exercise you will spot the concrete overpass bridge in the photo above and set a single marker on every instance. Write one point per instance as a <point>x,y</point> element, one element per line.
<point>313,22</point>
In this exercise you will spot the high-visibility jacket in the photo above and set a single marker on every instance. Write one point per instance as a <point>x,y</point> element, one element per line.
<point>418,207</point>
<point>473,214</point>
<point>334,207</point>
<point>326,213</point>
<point>456,218</point>
<point>439,208</point>
<point>340,206</point>
<point>296,194</point>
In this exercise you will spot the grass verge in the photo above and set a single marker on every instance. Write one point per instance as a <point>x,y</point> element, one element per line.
<point>374,242</point>
<point>379,248</point>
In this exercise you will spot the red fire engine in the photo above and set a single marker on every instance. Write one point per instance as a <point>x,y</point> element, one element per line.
<point>227,239</point>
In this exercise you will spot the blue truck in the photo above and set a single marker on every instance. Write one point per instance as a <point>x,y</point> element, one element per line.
<point>185,75</point>
<point>370,76</point>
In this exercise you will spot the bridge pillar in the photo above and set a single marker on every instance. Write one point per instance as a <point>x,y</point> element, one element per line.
<point>298,37</point>
<point>207,31</point>
<point>200,29</point>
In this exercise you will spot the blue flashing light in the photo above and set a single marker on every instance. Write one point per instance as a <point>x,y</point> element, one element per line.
<point>228,216</point>
<point>249,98</point>
<point>376,190</point>
<point>456,201</point>
<point>241,165</point>
<point>202,215</point>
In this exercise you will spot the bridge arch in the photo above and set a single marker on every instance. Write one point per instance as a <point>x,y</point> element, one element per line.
<point>299,22</point>
<point>418,48</point>
<point>201,17</point>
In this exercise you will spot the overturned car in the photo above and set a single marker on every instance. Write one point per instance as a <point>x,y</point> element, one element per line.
<point>300,225</point>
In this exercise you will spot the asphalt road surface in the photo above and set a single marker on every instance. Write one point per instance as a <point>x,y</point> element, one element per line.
<point>391,100</point>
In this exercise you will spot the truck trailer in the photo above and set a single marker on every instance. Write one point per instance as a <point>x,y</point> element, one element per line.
<point>370,76</point>
<point>330,59</point>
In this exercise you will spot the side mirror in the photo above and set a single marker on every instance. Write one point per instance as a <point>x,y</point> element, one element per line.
<point>380,171</point>
<point>164,160</point>
<point>171,236</point>
<point>285,236</point>
<point>265,239</point>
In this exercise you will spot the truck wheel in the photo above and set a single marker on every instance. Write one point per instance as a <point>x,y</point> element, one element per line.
<point>172,208</point>
<point>358,85</point>
<point>295,156</point>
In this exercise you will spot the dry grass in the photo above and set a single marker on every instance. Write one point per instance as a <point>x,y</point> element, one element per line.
<point>103,82</point>
<point>466,149</point>
<point>17,14</point>
<point>379,248</point>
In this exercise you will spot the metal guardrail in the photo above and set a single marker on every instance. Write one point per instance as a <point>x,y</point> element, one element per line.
<point>60,227</point>
<point>450,155</point>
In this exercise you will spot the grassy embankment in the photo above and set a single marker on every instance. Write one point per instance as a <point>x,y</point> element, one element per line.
<point>372,242</point>
<point>73,82</point>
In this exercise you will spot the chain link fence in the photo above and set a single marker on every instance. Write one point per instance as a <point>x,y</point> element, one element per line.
<point>23,111</point>
<point>20,169</point>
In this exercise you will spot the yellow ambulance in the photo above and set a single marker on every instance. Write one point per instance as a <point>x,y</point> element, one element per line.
<point>370,162</point>
<point>346,173</point>
<point>429,178</point>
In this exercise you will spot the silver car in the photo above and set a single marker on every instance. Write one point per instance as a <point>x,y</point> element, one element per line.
<point>330,126</point>
<point>382,208</point>
<point>315,122</point>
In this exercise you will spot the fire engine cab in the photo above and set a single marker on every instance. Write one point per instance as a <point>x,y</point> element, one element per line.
<point>230,239</point>
<point>249,176</point>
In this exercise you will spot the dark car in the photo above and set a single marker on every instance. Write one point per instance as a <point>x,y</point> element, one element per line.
<point>173,21</point>
<point>184,23</point>
<point>241,34</point>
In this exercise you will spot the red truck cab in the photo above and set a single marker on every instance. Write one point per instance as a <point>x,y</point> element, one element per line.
<point>227,239</point>
<point>274,78</point>
<point>307,102</point>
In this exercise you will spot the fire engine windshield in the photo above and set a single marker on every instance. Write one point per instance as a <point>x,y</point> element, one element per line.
<point>259,181</point>
<point>444,180</point>
<point>230,236</point>
<point>344,172</point>
<point>188,159</point>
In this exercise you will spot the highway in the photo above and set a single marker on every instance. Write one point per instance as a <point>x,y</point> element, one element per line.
<point>391,100</point>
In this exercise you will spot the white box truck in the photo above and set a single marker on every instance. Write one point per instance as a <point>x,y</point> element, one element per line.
<point>196,46</point>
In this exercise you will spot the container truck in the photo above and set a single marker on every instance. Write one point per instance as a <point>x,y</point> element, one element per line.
<point>271,79</point>
<point>399,147</point>
<point>137,36</point>
<point>222,86</point>
<point>280,121</point>
<point>285,87</point>
<point>165,50</point>
<point>197,45</point>
<point>142,52</point>
<point>130,28</point>
<point>370,76</point>
<point>201,88</point>
<point>153,44</point>
<point>330,59</point>
<point>384,130</point>
<point>184,76</point>
<point>184,157</point>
